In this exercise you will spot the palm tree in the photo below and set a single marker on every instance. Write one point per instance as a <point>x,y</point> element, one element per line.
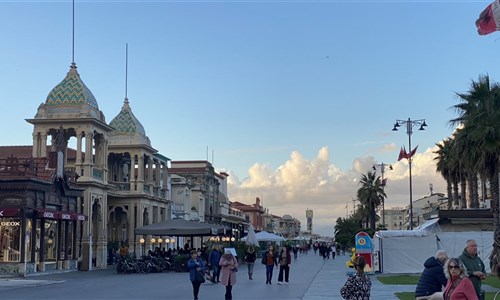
<point>371,194</point>
<point>444,163</point>
<point>479,113</point>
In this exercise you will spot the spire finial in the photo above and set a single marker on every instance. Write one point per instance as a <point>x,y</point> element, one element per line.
<point>73,45</point>
<point>126,71</point>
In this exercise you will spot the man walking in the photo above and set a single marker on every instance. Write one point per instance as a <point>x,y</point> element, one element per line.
<point>474,265</point>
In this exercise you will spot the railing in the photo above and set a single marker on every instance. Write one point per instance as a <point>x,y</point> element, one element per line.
<point>121,186</point>
<point>97,174</point>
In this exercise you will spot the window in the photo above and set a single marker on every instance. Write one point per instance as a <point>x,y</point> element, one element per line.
<point>10,239</point>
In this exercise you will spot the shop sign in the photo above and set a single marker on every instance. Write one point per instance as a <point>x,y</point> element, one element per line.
<point>10,224</point>
<point>9,212</point>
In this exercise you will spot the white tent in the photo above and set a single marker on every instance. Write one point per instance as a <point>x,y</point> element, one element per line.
<point>265,236</point>
<point>405,251</point>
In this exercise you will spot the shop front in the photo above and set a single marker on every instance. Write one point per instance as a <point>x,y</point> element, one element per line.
<point>38,240</point>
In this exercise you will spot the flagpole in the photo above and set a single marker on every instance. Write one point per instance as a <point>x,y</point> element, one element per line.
<point>409,130</point>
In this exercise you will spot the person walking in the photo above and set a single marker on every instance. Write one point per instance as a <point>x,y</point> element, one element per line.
<point>196,268</point>
<point>229,267</point>
<point>357,286</point>
<point>250,258</point>
<point>270,260</point>
<point>433,278</point>
<point>213,262</point>
<point>284,261</point>
<point>459,286</point>
<point>474,266</point>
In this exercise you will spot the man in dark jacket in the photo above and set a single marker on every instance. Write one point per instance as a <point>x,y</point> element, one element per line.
<point>432,279</point>
<point>474,265</point>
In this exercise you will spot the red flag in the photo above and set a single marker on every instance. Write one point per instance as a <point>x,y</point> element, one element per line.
<point>402,154</point>
<point>489,19</point>
<point>412,152</point>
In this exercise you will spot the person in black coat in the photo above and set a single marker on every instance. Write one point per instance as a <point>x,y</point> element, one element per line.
<point>432,279</point>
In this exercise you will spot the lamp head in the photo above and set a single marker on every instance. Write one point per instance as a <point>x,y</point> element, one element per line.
<point>142,241</point>
<point>396,125</point>
<point>424,124</point>
<point>373,168</point>
<point>390,167</point>
<point>422,127</point>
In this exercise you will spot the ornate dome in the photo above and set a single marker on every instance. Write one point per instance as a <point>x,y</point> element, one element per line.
<point>126,122</point>
<point>71,92</point>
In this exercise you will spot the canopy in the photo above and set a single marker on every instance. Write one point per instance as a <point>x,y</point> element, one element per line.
<point>180,227</point>
<point>265,236</point>
<point>251,238</point>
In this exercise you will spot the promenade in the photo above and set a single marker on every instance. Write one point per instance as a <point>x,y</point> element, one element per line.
<point>311,278</point>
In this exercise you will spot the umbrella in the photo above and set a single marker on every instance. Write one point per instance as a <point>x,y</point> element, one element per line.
<point>251,239</point>
<point>265,236</point>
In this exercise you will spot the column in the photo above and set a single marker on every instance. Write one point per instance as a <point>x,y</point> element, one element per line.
<point>36,146</point>
<point>78,149</point>
<point>43,144</point>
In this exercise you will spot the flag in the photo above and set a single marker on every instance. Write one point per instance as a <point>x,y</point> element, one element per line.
<point>412,152</point>
<point>402,154</point>
<point>489,19</point>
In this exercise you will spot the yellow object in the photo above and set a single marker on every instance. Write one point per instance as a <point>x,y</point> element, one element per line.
<point>350,263</point>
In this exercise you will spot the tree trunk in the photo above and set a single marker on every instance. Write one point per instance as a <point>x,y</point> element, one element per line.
<point>448,191</point>
<point>463,193</point>
<point>495,253</point>
<point>455,192</point>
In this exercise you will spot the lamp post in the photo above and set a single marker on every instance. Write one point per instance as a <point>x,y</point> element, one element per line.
<point>382,167</point>
<point>409,124</point>
<point>153,241</point>
<point>143,246</point>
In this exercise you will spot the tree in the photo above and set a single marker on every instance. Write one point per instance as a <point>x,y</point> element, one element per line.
<point>371,194</point>
<point>479,114</point>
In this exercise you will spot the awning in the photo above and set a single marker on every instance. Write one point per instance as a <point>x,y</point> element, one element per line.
<point>180,227</point>
<point>9,212</point>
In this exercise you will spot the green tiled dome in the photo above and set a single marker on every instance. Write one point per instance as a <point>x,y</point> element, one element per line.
<point>71,92</point>
<point>126,122</point>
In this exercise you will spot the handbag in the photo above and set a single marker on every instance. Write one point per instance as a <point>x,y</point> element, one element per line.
<point>200,277</point>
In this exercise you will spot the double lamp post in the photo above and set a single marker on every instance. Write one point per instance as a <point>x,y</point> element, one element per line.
<point>409,124</point>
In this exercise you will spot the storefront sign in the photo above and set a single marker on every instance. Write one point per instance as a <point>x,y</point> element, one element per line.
<point>61,215</point>
<point>66,216</point>
<point>9,212</point>
<point>10,224</point>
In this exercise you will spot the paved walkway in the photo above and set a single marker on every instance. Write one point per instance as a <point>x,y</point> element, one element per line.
<point>332,276</point>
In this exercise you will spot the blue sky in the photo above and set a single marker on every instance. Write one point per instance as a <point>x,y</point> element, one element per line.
<point>266,85</point>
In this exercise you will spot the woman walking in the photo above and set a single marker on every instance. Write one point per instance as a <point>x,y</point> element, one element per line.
<point>270,260</point>
<point>229,267</point>
<point>284,261</point>
<point>196,268</point>
<point>250,260</point>
<point>359,285</point>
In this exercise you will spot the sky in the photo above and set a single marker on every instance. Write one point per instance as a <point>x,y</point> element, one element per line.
<point>294,99</point>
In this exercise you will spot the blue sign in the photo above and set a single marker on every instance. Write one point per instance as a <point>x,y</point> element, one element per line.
<point>363,243</point>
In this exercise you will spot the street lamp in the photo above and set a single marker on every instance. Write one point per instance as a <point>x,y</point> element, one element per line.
<point>382,167</point>
<point>409,124</point>
<point>143,246</point>
<point>153,241</point>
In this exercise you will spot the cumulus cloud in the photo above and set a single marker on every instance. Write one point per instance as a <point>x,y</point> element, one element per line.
<point>301,183</point>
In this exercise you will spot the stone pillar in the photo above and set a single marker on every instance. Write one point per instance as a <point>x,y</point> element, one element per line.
<point>78,149</point>
<point>36,145</point>
<point>140,172</point>
<point>132,172</point>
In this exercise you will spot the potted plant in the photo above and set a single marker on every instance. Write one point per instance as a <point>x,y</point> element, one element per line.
<point>180,263</point>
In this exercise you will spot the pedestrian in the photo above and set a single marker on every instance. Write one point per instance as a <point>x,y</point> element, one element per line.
<point>250,258</point>
<point>357,286</point>
<point>334,250</point>
<point>196,269</point>
<point>284,261</point>
<point>270,260</point>
<point>229,267</point>
<point>213,262</point>
<point>295,251</point>
<point>474,266</point>
<point>433,279</point>
<point>459,286</point>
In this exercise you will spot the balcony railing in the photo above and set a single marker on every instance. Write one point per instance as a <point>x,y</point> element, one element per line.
<point>98,174</point>
<point>121,186</point>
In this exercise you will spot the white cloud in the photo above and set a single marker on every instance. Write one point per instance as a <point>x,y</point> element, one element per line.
<point>301,183</point>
